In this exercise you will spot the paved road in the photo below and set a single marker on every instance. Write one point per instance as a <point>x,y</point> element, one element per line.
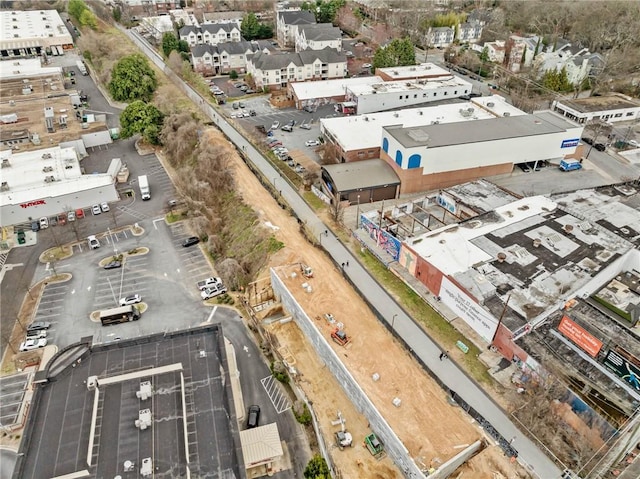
<point>448,372</point>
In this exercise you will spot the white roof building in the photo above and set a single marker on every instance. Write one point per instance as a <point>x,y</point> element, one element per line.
<point>26,33</point>
<point>30,68</point>
<point>47,182</point>
<point>306,91</point>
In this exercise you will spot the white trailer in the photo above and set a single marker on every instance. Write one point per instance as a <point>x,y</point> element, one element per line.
<point>82,67</point>
<point>145,191</point>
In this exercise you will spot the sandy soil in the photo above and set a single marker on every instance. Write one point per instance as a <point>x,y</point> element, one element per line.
<point>441,429</point>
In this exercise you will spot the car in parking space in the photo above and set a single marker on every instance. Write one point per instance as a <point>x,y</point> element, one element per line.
<point>104,206</point>
<point>38,326</point>
<point>96,210</point>
<point>275,125</point>
<point>366,65</point>
<point>524,167</point>
<point>190,241</point>
<point>587,140</point>
<point>35,226</point>
<point>93,242</point>
<point>238,84</point>
<point>305,126</point>
<point>37,334</point>
<point>113,265</point>
<point>71,216</point>
<point>132,299</point>
<point>252,113</point>
<point>244,88</point>
<point>241,104</point>
<point>287,128</point>
<point>31,344</point>
<point>253,418</point>
<point>62,219</point>
<point>44,223</point>
<point>79,213</point>
<point>465,97</point>
<point>209,282</point>
<point>633,143</point>
<point>53,221</point>
<point>250,91</point>
<point>312,143</point>
<point>300,169</point>
<point>212,291</point>
<point>309,109</point>
<point>21,237</point>
<point>475,95</point>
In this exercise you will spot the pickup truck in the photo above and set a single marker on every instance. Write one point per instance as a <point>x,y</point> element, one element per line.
<point>209,282</point>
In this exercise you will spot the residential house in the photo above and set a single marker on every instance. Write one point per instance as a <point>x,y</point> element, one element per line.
<point>441,37</point>
<point>210,33</point>
<point>222,58</point>
<point>578,62</point>
<point>480,16</point>
<point>156,27</point>
<point>287,25</point>
<point>318,37</point>
<point>520,51</point>
<point>495,50</point>
<point>147,8</point>
<point>223,17</point>
<point>275,71</point>
<point>469,32</point>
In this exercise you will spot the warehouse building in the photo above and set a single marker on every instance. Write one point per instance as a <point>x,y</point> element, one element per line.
<point>609,108</point>
<point>32,33</point>
<point>49,181</point>
<point>321,92</point>
<point>403,94</point>
<point>434,156</point>
<point>356,138</point>
<point>360,182</point>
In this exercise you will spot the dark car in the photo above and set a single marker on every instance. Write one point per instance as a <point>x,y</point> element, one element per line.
<point>252,112</point>
<point>190,241</point>
<point>38,326</point>
<point>253,417</point>
<point>524,167</point>
<point>465,97</point>
<point>600,146</point>
<point>587,140</point>
<point>35,226</point>
<point>113,265</point>
<point>475,95</point>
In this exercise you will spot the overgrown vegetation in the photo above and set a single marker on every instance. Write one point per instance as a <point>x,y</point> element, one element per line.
<point>317,468</point>
<point>252,29</point>
<point>302,413</point>
<point>133,79</point>
<point>80,12</point>
<point>399,52</point>
<point>324,10</point>
<point>279,372</point>
<point>141,118</point>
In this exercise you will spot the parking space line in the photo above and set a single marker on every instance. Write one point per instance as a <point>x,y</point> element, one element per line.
<point>46,316</point>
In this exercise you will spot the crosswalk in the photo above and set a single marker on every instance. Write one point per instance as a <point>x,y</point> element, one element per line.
<point>3,259</point>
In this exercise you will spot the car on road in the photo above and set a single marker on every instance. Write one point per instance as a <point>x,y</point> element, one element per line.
<point>44,223</point>
<point>132,299</point>
<point>93,242</point>
<point>38,326</point>
<point>209,282</point>
<point>311,143</point>
<point>587,140</point>
<point>600,146</point>
<point>104,206</point>
<point>212,292</point>
<point>71,216</point>
<point>253,418</point>
<point>31,344</point>
<point>113,265</point>
<point>190,241</point>
<point>96,210</point>
<point>275,125</point>
<point>465,97</point>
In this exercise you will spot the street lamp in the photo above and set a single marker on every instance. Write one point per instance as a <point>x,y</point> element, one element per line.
<point>393,320</point>
<point>358,214</point>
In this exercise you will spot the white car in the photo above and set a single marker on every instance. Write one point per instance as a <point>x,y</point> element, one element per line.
<point>104,206</point>
<point>275,125</point>
<point>44,223</point>
<point>128,300</point>
<point>36,334</point>
<point>212,292</point>
<point>631,142</point>
<point>211,282</point>
<point>93,242</point>
<point>312,143</point>
<point>30,344</point>
<point>366,65</point>
<point>95,209</point>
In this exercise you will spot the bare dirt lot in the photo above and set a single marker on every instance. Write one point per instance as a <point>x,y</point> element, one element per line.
<point>431,428</point>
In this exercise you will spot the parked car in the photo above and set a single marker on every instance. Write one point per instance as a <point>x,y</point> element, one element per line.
<point>524,167</point>
<point>299,169</point>
<point>366,65</point>
<point>312,143</point>
<point>309,109</point>
<point>275,125</point>
<point>212,291</point>
<point>35,226</point>
<point>235,105</point>
<point>37,334</point>
<point>244,88</point>
<point>113,265</point>
<point>600,146</point>
<point>587,140</point>
<point>209,282</point>
<point>22,239</point>
<point>305,126</point>
<point>128,300</point>
<point>190,241</point>
<point>96,210</point>
<point>38,326</point>
<point>62,219</point>
<point>93,242</point>
<point>44,223</point>
<point>288,128</point>
<point>79,213</point>
<point>252,112</point>
<point>249,91</point>
<point>238,84</point>
<point>253,418</point>
<point>104,206</point>
<point>465,97</point>
<point>71,216</point>
<point>31,344</point>
<point>633,143</point>
<point>53,221</point>
<point>241,104</point>
<point>475,95</point>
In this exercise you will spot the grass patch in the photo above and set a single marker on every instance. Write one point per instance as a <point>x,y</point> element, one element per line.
<point>316,203</point>
<point>437,327</point>
<point>173,217</point>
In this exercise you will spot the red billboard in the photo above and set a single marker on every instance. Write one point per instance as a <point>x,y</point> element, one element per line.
<point>578,335</point>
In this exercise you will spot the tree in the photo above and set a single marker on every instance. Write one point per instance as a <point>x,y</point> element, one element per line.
<point>397,53</point>
<point>132,79</point>
<point>117,14</point>
<point>325,11</point>
<point>143,118</point>
<point>250,26</point>
<point>317,468</point>
<point>233,75</point>
<point>169,43</point>
<point>557,80</point>
<point>88,19</point>
<point>484,56</point>
<point>76,7</point>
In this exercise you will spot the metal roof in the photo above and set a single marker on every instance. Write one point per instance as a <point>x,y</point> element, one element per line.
<point>360,175</point>
<point>260,445</point>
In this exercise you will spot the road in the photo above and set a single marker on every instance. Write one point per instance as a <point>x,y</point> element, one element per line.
<point>416,339</point>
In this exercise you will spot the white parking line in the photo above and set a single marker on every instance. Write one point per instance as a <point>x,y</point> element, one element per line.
<point>47,316</point>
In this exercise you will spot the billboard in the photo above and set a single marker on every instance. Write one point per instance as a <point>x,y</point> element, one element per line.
<point>482,322</point>
<point>624,365</point>
<point>570,143</point>
<point>581,337</point>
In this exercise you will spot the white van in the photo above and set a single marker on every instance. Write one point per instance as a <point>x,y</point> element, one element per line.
<point>93,242</point>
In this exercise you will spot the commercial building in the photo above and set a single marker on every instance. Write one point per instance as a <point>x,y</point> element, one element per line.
<point>49,181</point>
<point>439,155</point>
<point>321,92</point>
<point>403,94</point>
<point>360,182</point>
<point>356,138</point>
<point>32,33</point>
<point>609,108</point>
<point>276,71</point>
<point>424,71</point>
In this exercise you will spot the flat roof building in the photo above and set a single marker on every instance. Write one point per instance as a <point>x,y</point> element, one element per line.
<point>434,156</point>
<point>371,98</point>
<point>32,32</point>
<point>424,71</point>
<point>608,108</point>
<point>358,137</point>
<point>47,182</point>
<point>361,181</point>
<point>325,91</point>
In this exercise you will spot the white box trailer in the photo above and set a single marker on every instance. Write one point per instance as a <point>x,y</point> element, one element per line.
<point>145,191</point>
<point>82,67</point>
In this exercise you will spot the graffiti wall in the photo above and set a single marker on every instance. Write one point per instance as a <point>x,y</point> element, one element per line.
<point>383,239</point>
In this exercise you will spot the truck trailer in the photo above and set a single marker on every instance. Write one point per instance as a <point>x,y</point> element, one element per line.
<point>145,191</point>
<point>82,67</point>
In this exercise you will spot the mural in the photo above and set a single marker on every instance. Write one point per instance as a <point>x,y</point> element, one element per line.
<point>409,260</point>
<point>383,239</point>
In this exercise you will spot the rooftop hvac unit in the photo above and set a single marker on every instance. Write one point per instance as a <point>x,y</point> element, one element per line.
<point>49,179</point>
<point>365,118</point>
<point>47,169</point>
<point>147,467</point>
<point>6,163</point>
<point>46,156</point>
<point>92,383</point>
<point>506,113</point>
<point>412,69</point>
<point>395,72</point>
<point>4,186</point>
<point>396,115</point>
<point>145,391</point>
<point>491,104</point>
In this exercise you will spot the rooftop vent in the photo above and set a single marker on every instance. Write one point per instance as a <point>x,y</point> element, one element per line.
<point>506,113</point>
<point>420,113</point>
<point>501,257</point>
<point>46,156</point>
<point>4,186</point>
<point>6,163</point>
<point>568,228</point>
<point>396,115</point>
<point>537,242</point>
<point>49,179</point>
<point>47,169</point>
<point>491,104</point>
